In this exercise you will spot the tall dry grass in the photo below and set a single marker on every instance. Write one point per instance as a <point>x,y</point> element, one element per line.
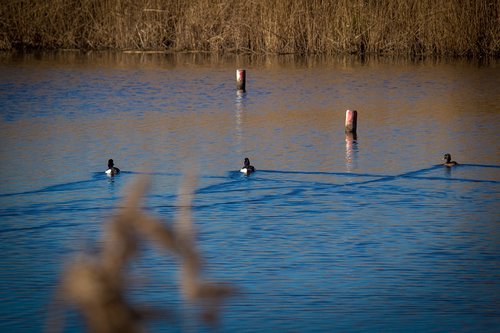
<point>396,27</point>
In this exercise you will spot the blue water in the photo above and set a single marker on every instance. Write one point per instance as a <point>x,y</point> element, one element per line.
<point>330,234</point>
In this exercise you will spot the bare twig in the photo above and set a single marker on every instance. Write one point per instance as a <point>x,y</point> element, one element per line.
<point>96,284</point>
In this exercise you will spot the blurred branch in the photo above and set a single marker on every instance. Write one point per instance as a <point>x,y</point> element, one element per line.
<point>96,284</point>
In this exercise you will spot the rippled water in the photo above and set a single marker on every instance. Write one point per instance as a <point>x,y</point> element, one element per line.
<point>331,233</point>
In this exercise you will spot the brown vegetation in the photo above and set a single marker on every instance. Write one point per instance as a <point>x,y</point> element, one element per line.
<point>396,27</point>
<point>97,285</point>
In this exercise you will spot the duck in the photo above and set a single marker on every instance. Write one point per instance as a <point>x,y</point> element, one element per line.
<point>247,168</point>
<point>448,162</point>
<point>112,170</point>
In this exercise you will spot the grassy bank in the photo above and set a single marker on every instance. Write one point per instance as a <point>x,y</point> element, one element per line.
<point>395,27</point>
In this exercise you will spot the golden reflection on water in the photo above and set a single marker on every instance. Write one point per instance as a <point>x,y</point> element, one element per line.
<point>158,109</point>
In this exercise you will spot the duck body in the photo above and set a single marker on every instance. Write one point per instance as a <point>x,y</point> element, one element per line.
<point>112,170</point>
<point>448,162</point>
<point>247,168</point>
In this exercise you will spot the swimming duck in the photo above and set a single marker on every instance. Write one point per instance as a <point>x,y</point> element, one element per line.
<point>247,168</point>
<point>112,170</point>
<point>448,162</point>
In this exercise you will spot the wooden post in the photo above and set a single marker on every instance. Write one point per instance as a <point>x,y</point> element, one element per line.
<point>240,79</point>
<point>351,121</point>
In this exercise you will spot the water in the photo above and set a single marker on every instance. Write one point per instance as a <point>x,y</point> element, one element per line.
<point>331,233</point>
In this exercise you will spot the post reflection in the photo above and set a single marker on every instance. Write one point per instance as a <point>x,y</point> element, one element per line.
<point>240,107</point>
<point>351,151</point>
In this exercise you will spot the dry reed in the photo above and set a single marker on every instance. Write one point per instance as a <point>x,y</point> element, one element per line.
<point>395,27</point>
<point>97,285</point>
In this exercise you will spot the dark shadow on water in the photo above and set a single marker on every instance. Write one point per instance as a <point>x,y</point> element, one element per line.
<point>265,189</point>
<point>96,177</point>
<point>384,178</point>
<point>71,186</point>
<point>236,179</point>
<point>409,174</point>
<point>480,165</point>
<point>55,188</point>
<point>61,207</point>
<point>38,227</point>
<point>464,180</point>
<point>344,174</point>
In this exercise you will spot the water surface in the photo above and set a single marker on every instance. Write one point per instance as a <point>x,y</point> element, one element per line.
<point>332,233</point>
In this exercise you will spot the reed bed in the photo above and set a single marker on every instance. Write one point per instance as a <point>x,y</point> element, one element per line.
<point>396,27</point>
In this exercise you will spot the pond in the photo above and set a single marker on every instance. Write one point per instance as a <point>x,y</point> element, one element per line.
<point>331,233</point>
